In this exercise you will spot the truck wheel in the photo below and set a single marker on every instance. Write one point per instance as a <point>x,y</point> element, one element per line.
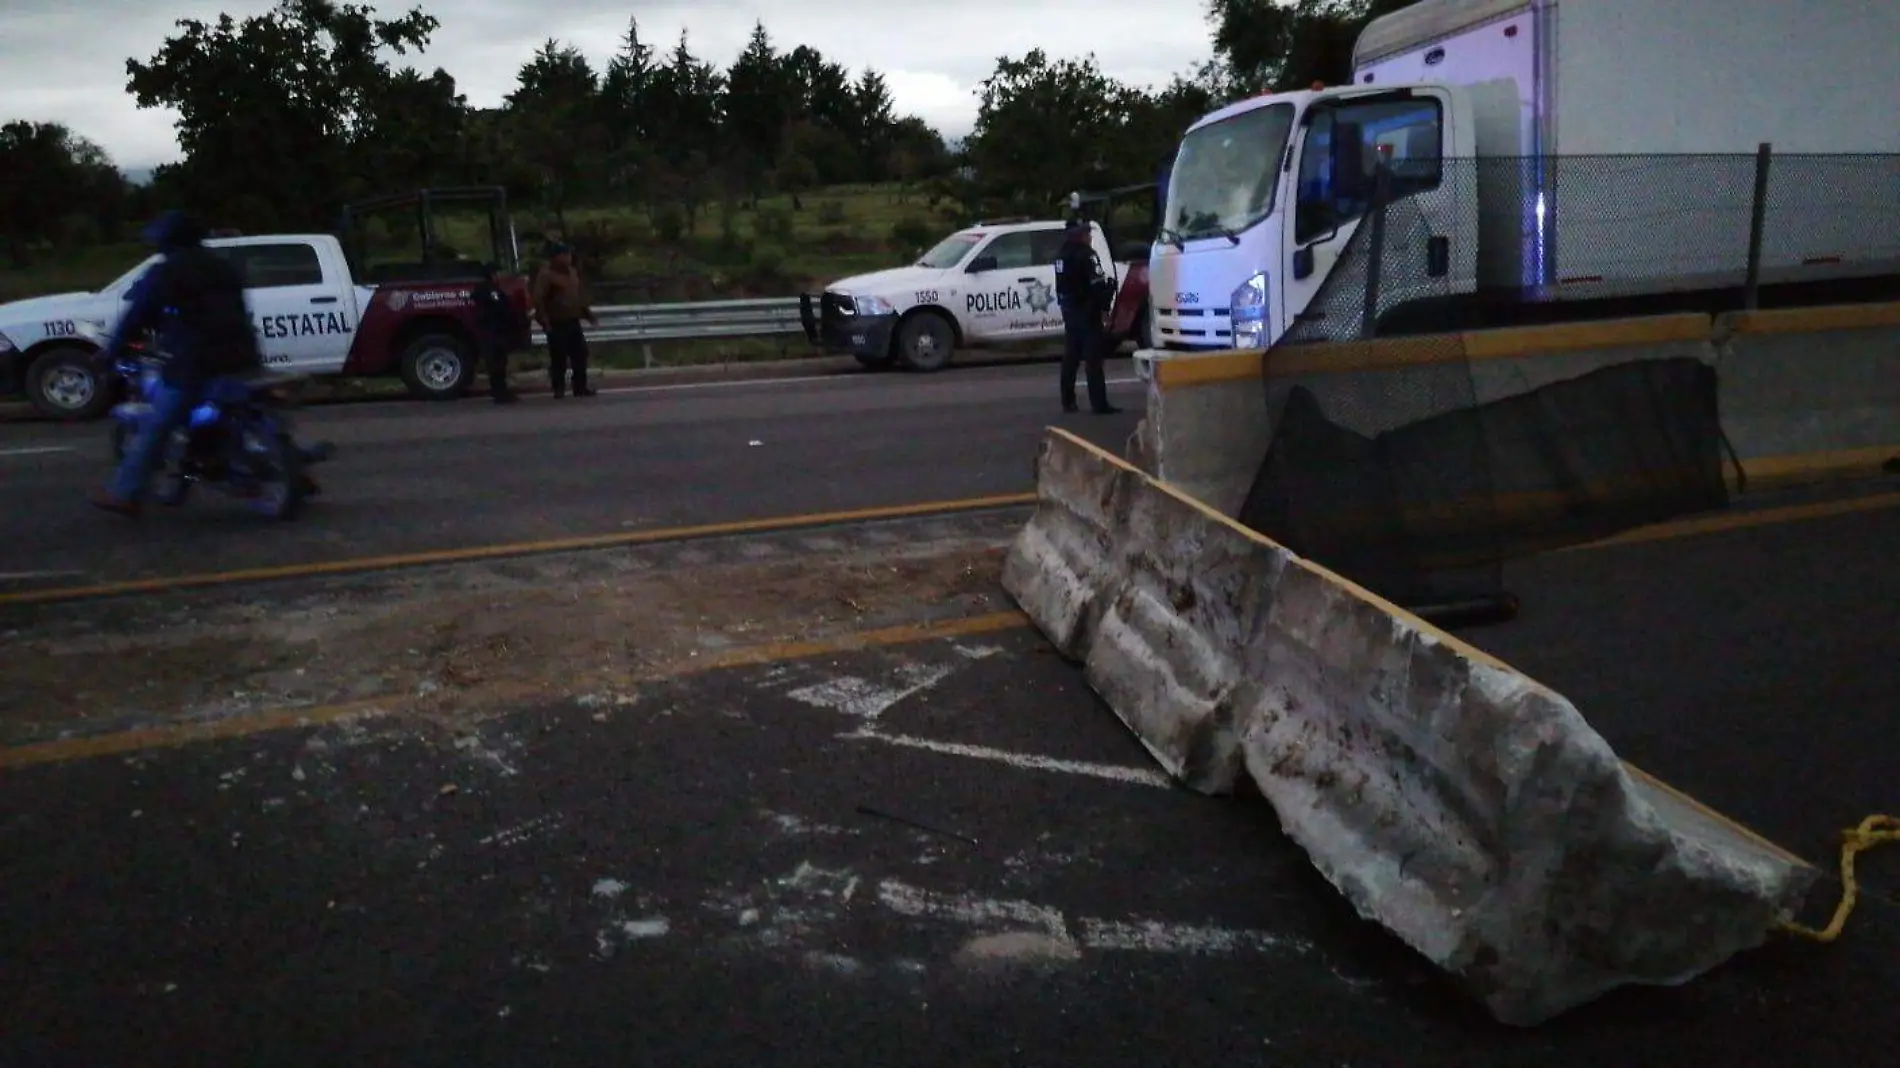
<point>68,384</point>
<point>925,341</point>
<point>437,367</point>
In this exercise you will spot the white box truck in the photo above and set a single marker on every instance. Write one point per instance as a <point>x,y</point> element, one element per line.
<point>1543,159</point>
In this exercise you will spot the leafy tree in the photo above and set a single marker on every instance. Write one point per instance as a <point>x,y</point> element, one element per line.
<point>1046,127</point>
<point>490,155</point>
<point>311,82</point>
<point>272,111</point>
<point>55,185</point>
<point>626,91</point>
<point>557,124</point>
<point>1279,45</point>
<point>418,133</point>
<point>757,108</point>
<point>688,104</point>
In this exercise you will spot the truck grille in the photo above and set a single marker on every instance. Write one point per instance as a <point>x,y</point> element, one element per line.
<point>1193,328</point>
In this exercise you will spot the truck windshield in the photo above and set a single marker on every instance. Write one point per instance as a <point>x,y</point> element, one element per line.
<point>1226,173</point>
<point>949,252</point>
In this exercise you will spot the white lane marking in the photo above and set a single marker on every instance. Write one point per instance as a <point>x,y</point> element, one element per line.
<point>1145,936</point>
<point>522,833</point>
<point>1025,761</point>
<point>37,450</point>
<point>803,909</point>
<point>793,826</point>
<point>821,882</point>
<point>867,700</point>
<point>976,652</point>
<point>648,928</point>
<point>1153,937</point>
<point>24,576</point>
<point>794,380</point>
<point>676,386</point>
<point>973,911</point>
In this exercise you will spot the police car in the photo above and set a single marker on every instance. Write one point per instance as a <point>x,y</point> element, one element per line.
<point>988,284</point>
<point>313,316</point>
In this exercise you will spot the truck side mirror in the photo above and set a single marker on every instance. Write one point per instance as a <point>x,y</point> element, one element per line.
<point>981,264</point>
<point>1351,181</point>
<point>1303,262</point>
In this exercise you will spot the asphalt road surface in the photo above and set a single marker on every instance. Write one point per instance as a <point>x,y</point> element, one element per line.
<point>413,477</point>
<point>1756,669</point>
<point>716,869</point>
<point>718,872</point>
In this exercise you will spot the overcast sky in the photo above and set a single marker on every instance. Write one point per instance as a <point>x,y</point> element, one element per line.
<point>64,59</point>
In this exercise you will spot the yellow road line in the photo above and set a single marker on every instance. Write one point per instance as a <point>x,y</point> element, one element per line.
<point>904,634</point>
<point>177,734</point>
<point>780,524</point>
<point>773,525</point>
<point>67,750</point>
<point>1729,521</point>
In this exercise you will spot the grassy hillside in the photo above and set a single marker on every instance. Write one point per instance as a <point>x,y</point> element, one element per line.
<point>728,252</point>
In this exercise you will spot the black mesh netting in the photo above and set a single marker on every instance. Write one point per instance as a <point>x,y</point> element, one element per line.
<point>1420,484</point>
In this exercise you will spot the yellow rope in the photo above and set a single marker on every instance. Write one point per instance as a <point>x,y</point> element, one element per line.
<point>1872,831</point>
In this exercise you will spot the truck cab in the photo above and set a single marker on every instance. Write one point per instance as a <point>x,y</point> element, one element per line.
<point>1546,161</point>
<point>1266,192</point>
<point>992,283</point>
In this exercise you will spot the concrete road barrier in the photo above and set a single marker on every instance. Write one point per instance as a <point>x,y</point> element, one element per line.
<point>1449,797</point>
<point>1806,394</point>
<point>1811,392</point>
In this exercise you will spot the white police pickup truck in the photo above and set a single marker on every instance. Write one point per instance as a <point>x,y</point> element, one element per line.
<point>312,317</point>
<point>988,284</point>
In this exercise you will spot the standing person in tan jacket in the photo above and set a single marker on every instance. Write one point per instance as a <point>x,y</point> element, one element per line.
<point>560,305</point>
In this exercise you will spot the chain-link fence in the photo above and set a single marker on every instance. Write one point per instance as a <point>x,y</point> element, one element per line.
<point>1413,465</point>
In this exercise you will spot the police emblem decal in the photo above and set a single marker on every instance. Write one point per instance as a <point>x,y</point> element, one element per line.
<point>1039,297</point>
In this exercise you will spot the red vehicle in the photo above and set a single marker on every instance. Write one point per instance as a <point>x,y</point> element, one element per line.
<point>368,301</point>
<point>1129,216</point>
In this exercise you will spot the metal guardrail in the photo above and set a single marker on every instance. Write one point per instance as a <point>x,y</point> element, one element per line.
<point>689,321</point>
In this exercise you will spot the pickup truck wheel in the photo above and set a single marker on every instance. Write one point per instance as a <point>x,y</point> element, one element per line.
<point>68,383</point>
<point>925,341</point>
<point>437,367</point>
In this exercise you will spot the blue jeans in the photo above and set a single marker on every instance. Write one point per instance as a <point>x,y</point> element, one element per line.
<point>171,407</point>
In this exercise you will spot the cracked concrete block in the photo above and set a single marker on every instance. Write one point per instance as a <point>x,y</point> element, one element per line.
<point>1468,809</point>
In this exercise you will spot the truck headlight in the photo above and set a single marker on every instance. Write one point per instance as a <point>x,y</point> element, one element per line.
<point>1248,313</point>
<point>6,347</point>
<point>872,305</point>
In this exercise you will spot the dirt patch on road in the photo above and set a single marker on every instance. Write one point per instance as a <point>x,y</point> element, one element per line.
<point>458,642</point>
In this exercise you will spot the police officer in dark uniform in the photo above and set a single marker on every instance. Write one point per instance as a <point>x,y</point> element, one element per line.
<point>496,318</point>
<point>1085,294</point>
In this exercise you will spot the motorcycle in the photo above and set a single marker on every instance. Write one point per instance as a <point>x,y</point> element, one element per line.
<point>237,439</point>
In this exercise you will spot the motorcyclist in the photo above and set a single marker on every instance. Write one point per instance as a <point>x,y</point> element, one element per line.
<point>194,299</point>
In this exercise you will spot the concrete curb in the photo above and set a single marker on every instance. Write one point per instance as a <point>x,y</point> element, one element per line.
<point>1466,807</point>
